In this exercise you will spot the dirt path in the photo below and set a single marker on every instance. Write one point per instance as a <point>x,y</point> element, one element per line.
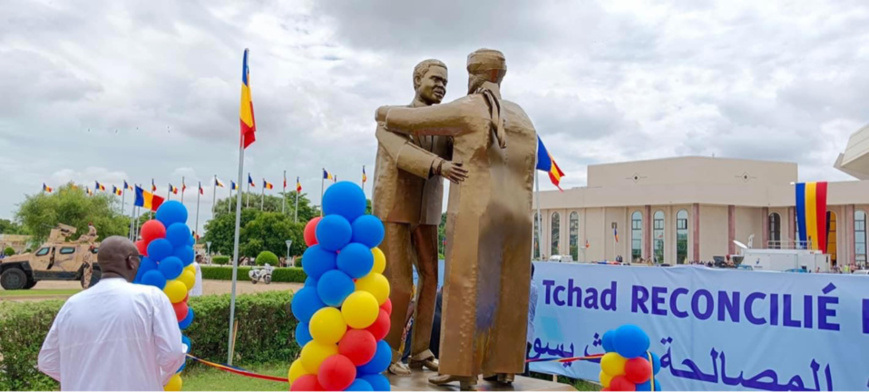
<point>209,287</point>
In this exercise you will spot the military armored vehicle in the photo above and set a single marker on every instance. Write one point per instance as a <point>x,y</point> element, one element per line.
<point>57,259</point>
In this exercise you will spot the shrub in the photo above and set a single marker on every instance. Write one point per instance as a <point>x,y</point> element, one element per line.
<point>266,257</point>
<point>9,251</point>
<point>265,334</point>
<point>288,275</point>
<point>221,260</point>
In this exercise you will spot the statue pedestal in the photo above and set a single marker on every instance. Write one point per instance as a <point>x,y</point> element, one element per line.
<point>418,381</point>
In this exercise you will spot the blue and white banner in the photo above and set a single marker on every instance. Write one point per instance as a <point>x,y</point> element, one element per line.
<point>714,329</point>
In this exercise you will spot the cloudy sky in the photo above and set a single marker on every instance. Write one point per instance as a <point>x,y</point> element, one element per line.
<point>119,90</point>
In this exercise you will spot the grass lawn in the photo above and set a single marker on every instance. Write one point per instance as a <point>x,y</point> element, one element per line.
<point>37,292</point>
<point>203,378</point>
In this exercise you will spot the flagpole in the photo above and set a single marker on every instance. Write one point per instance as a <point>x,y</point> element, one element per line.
<point>247,194</point>
<point>296,213</point>
<point>262,198</point>
<point>182,189</point>
<point>198,196</point>
<point>322,185</point>
<point>235,245</point>
<point>284,195</point>
<point>229,200</point>
<point>169,193</point>
<point>214,196</point>
<point>539,217</point>
<point>123,199</point>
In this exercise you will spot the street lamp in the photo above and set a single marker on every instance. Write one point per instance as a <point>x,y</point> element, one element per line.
<point>289,243</point>
<point>208,248</point>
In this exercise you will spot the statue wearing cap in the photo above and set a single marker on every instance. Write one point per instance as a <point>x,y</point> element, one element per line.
<point>489,226</point>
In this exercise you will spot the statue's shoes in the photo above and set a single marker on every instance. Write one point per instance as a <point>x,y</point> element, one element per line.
<point>398,369</point>
<point>465,383</point>
<point>501,378</point>
<point>425,359</point>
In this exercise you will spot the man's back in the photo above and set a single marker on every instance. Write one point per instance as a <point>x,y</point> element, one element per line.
<point>113,336</point>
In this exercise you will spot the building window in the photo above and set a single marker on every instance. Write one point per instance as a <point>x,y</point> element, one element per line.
<point>636,236</point>
<point>659,236</point>
<point>831,237</point>
<point>681,236</point>
<point>536,249</point>
<point>556,232</point>
<point>860,236</point>
<point>774,231</point>
<point>574,235</point>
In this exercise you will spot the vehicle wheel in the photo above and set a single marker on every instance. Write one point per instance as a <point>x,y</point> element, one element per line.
<point>268,279</point>
<point>253,281</point>
<point>13,279</point>
<point>30,284</point>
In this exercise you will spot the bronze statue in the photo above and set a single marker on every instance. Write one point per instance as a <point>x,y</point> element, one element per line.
<point>489,228</point>
<point>408,193</point>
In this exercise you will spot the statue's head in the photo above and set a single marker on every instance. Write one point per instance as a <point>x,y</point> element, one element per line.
<point>485,65</point>
<point>430,81</point>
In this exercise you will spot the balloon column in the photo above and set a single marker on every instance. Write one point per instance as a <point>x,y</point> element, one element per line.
<point>344,308</point>
<point>627,364</point>
<point>167,257</point>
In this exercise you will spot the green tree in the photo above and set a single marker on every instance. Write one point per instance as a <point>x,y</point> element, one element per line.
<point>269,231</point>
<point>266,257</point>
<point>41,212</point>
<point>269,203</point>
<point>442,235</point>
<point>9,251</point>
<point>9,227</point>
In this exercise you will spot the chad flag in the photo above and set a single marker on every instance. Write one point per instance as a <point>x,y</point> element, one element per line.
<point>547,164</point>
<point>248,124</point>
<point>811,210</point>
<point>268,185</point>
<point>147,199</point>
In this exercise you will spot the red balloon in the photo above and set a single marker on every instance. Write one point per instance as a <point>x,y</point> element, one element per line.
<point>181,310</point>
<point>336,373</point>
<point>307,382</point>
<point>311,231</point>
<point>621,383</point>
<point>358,345</point>
<point>152,230</point>
<point>387,306</point>
<point>638,370</point>
<point>381,326</point>
<point>142,247</point>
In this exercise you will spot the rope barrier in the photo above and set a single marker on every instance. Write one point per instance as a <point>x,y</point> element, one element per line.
<point>237,370</point>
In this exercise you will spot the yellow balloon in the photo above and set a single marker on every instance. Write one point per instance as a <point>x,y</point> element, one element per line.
<point>174,384</point>
<point>327,325</point>
<point>605,379</point>
<point>376,284</point>
<point>314,353</point>
<point>379,261</point>
<point>360,309</point>
<point>188,279</point>
<point>296,371</point>
<point>175,290</point>
<point>613,364</point>
<point>190,268</point>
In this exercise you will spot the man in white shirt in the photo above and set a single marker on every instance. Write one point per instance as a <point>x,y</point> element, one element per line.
<point>196,291</point>
<point>114,336</point>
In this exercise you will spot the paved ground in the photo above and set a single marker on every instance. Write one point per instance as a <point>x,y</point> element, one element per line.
<point>209,287</point>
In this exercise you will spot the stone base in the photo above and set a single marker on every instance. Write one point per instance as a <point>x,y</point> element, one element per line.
<point>418,381</point>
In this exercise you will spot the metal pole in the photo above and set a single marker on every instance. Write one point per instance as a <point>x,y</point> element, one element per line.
<point>539,217</point>
<point>214,196</point>
<point>247,194</point>
<point>296,213</point>
<point>169,193</point>
<point>322,185</point>
<point>235,247</point>
<point>229,200</point>
<point>262,197</point>
<point>284,196</point>
<point>183,185</point>
<point>198,197</point>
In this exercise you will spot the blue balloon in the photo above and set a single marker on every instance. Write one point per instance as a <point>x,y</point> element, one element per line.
<point>630,341</point>
<point>346,199</point>
<point>144,266</point>
<point>378,364</point>
<point>360,385</point>
<point>185,254</point>
<point>333,233</point>
<point>316,261</point>
<point>178,234</point>
<point>154,278</point>
<point>187,320</point>
<point>171,212</point>
<point>607,341</point>
<point>159,249</point>
<point>647,386</point>
<point>171,267</point>
<point>656,363</point>
<point>303,334</point>
<point>191,241</point>
<point>355,260</point>
<point>368,230</point>
<point>305,303</point>
<point>334,286</point>
<point>378,382</point>
<point>311,282</point>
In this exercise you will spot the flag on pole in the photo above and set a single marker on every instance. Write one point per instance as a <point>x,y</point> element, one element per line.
<point>89,191</point>
<point>147,199</point>
<point>233,186</point>
<point>219,183</point>
<point>250,181</point>
<point>587,245</point>
<point>183,186</point>
<point>201,191</point>
<point>811,209</point>
<point>547,164</point>
<point>99,186</point>
<point>173,189</point>
<point>616,234</point>
<point>267,185</point>
<point>117,191</point>
<point>248,124</point>
<point>285,181</point>
<point>364,176</point>
<point>47,188</point>
<point>298,185</point>
<point>153,186</point>
<point>327,175</point>
<point>127,186</point>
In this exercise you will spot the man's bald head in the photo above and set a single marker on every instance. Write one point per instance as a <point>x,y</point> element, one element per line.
<point>118,256</point>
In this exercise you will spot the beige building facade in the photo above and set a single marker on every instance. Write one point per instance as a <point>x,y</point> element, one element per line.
<point>680,210</point>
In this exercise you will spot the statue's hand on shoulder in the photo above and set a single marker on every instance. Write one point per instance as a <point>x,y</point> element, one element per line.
<point>380,115</point>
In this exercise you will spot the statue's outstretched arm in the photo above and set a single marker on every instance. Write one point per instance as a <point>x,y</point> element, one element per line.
<point>449,119</point>
<point>407,155</point>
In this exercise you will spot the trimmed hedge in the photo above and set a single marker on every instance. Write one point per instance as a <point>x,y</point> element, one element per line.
<point>265,334</point>
<point>287,275</point>
<point>222,260</point>
<point>266,257</point>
